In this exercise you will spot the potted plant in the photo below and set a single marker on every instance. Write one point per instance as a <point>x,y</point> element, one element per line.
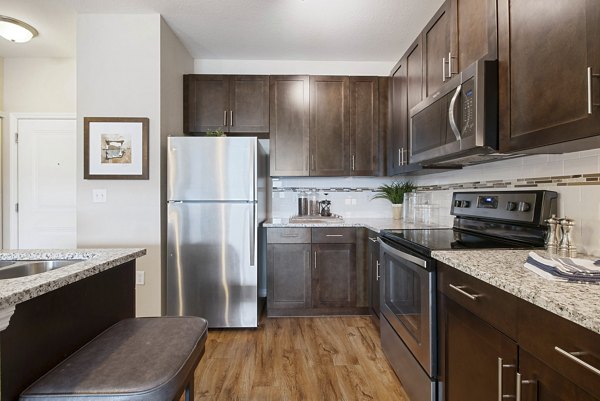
<point>394,192</point>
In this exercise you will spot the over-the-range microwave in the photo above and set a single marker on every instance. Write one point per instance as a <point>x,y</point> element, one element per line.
<point>458,125</point>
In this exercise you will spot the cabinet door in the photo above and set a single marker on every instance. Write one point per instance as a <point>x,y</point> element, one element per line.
<point>436,43</point>
<point>373,261</point>
<point>541,383</point>
<point>474,32</point>
<point>414,75</point>
<point>364,126</point>
<point>398,136</point>
<point>477,362</point>
<point>549,55</point>
<point>289,276</point>
<point>329,126</point>
<point>290,121</point>
<point>334,275</point>
<point>249,104</point>
<point>206,102</point>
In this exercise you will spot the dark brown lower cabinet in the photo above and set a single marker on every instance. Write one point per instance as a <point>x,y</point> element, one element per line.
<point>289,276</point>
<point>481,357</point>
<point>316,271</point>
<point>478,360</point>
<point>374,275</point>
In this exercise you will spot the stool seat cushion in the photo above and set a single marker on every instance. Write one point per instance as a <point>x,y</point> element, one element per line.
<point>139,359</point>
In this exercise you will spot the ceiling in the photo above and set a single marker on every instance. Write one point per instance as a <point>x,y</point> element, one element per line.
<point>316,30</point>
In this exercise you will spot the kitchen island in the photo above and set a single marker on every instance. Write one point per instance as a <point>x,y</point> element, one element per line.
<point>45,317</point>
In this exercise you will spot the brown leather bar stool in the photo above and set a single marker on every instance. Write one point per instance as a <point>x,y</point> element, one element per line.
<point>143,359</point>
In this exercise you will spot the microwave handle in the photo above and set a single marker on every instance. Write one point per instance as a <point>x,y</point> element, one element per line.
<point>453,125</point>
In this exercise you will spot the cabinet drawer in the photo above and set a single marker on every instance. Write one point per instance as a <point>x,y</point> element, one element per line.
<point>334,235</point>
<point>562,345</point>
<point>288,235</point>
<point>495,306</point>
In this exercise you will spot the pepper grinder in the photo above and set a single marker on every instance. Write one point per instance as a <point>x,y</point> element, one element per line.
<point>552,237</point>
<point>567,246</point>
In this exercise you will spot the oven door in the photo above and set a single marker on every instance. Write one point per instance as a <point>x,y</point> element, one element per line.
<point>408,303</point>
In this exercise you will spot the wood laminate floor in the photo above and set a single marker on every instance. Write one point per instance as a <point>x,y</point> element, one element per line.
<point>297,359</point>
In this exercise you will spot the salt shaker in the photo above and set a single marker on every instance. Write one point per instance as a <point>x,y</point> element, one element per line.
<point>567,246</point>
<point>552,237</point>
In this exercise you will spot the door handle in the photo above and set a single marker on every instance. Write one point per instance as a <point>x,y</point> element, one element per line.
<point>377,271</point>
<point>520,382</point>
<point>449,64</point>
<point>315,260</point>
<point>444,69</point>
<point>334,235</point>
<point>590,99</point>
<point>252,237</point>
<point>231,118</point>
<point>225,118</point>
<point>453,125</point>
<point>501,366</point>
<point>353,157</point>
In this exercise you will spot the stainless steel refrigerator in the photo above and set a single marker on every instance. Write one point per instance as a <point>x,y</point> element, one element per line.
<point>216,199</point>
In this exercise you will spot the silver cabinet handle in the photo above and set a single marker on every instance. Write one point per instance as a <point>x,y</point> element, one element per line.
<point>520,382</point>
<point>377,271</point>
<point>589,90</point>
<point>225,118</point>
<point>399,156</point>
<point>449,64</point>
<point>573,356</point>
<point>312,161</point>
<point>231,118</point>
<point>315,260</point>
<point>353,157</point>
<point>463,292</point>
<point>453,125</point>
<point>334,235</point>
<point>290,235</point>
<point>444,69</point>
<point>501,366</point>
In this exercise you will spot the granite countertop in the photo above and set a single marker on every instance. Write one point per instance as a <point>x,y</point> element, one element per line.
<point>375,224</point>
<point>17,290</point>
<point>579,303</point>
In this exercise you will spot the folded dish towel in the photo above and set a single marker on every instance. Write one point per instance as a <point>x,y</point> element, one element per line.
<point>564,269</point>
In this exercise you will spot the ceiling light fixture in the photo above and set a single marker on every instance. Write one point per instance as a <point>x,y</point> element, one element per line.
<point>15,30</point>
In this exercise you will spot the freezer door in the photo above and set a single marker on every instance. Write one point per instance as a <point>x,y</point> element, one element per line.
<point>211,263</point>
<point>211,169</point>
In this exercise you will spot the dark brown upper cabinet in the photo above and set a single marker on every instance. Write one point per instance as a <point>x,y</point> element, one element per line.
<point>407,91</point>
<point>473,32</point>
<point>290,122</point>
<point>329,126</point>
<point>436,45</point>
<point>364,126</point>
<point>234,103</point>
<point>549,59</point>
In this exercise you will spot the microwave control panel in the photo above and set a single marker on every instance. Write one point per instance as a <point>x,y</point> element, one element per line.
<point>468,108</point>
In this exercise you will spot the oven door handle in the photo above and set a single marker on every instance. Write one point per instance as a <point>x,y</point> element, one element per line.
<point>403,255</point>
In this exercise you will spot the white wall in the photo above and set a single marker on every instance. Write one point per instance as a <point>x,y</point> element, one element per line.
<point>118,75</point>
<point>289,67</point>
<point>39,85</point>
<point>175,61</point>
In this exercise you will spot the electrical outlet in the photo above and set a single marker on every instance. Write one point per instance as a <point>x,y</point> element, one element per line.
<point>99,195</point>
<point>140,278</point>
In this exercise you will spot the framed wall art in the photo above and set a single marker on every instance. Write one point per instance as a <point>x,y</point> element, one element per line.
<point>115,148</point>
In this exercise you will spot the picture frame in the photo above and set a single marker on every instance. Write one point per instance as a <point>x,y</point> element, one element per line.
<point>115,148</point>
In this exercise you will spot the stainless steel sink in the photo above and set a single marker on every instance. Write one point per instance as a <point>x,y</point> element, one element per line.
<point>23,268</point>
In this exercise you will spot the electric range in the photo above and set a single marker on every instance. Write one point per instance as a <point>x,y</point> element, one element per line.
<point>483,220</point>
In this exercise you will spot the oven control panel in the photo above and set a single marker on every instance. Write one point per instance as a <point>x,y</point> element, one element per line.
<point>514,206</point>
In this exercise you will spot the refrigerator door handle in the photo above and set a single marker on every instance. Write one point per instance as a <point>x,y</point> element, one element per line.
<point>252,236</point>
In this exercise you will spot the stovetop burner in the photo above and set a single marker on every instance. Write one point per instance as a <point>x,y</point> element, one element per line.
<point>485,220</point>
<point>426,240</point>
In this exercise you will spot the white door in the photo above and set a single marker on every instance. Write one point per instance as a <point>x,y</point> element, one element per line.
<point>47,154</point>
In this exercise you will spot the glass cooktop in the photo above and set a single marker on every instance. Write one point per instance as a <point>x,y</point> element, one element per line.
<point>425,241</point>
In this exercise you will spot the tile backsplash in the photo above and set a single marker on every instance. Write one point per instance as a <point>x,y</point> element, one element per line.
<point>575,176</point>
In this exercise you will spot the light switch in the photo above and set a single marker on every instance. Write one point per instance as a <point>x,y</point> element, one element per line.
<point>99,195</point>
<point>140,278</point>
